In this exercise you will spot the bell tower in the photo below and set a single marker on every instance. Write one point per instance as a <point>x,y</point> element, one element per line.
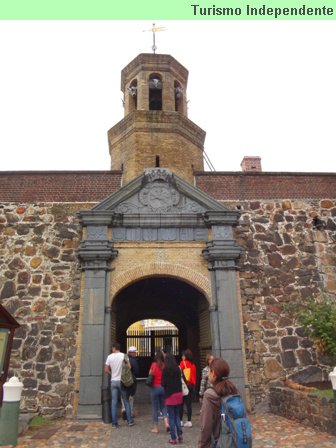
<point>155,131</point>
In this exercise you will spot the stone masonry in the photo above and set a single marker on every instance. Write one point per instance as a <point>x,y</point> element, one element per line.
<point>284,259</point>
<point>40,285</point>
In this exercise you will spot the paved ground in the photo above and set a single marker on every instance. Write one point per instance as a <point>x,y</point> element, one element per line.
<point>268,431</point>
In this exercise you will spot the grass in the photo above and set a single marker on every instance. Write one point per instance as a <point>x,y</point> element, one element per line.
<point>327,393</point>
<point>38,422</point>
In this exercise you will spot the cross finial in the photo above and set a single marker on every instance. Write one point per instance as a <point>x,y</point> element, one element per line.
<point>154,30</point>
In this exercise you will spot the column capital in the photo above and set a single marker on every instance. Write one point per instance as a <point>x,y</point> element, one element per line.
<point>222,255</point>
<point>216,217</point>
<point>96,254</point>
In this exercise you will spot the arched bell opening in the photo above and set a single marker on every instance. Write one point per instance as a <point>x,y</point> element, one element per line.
<point>155,92</point>
<point>133,96</point>
<point>178,95</point>
<point>168,299</point>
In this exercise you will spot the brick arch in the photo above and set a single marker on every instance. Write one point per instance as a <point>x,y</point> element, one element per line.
<point>194,278</point>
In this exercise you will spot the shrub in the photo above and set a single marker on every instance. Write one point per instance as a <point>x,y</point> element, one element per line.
<point>318,318</point>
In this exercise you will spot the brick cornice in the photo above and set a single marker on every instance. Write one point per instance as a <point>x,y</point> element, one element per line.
<point>142,121</point>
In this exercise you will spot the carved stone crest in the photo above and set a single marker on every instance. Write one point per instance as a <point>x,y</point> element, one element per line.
<point>159,197</point>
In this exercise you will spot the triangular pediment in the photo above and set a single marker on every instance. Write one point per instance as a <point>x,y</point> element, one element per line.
<point>159,191</point>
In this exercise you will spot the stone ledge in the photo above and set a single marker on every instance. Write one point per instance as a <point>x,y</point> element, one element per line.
<point>309,409</point>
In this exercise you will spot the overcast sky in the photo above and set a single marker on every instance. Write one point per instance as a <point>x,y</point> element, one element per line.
<point>258,88</point>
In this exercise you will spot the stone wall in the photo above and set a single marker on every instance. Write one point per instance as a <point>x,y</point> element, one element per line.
<point>285,260</point>
<point>40,286</point>
<point>310,409</point>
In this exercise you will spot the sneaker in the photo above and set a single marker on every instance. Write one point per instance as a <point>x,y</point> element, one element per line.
<point>181,422</point>
<point>115,426</point>
<point>172,442</point>
<point>123,415</point>
<point>180,439</point>
<point>131,424</point>
<point>188,425</point>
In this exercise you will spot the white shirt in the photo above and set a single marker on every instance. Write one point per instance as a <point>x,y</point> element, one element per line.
<point>114,361</point>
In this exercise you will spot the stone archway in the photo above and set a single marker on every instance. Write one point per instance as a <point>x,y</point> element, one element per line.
<point>184,273</point>
<point>130,233</point>
<point>166,298</point>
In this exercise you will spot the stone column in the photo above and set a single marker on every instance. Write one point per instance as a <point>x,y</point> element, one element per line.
<point>95,254</point>
<point>222,253</point>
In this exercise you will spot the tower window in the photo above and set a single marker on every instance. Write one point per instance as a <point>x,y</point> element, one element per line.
<point>178,96</point>
<point>133,95</point>
<point>157,161</point>
<point>155,92</point>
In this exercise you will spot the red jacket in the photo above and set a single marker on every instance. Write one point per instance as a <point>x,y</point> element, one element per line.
<point>187,364</point>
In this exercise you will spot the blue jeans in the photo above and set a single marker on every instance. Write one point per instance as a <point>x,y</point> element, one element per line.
<point>157,398</point>
<point>116,392</point>
<point>174,421</point>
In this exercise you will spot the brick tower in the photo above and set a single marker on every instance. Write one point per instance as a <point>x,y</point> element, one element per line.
<point>155,131</point>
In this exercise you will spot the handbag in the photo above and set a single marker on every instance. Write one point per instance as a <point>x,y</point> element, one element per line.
<point>186,372</point>
<point>185,390</point>
<point>150,380</point>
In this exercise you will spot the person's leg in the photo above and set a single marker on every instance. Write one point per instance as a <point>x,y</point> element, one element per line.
<point>131,400</point>
<point>181,410</point>
<point>189,399</point>
<point>123,412</point>
<point>178,423</point>
<point>171,415</point>
<point>115,391</point>
<point>124,394</point>
<point>155,404</point>
<point>162,406</point>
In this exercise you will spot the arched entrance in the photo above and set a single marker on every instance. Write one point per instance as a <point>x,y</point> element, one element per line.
<point>160,248</point>
<point>169,299</point>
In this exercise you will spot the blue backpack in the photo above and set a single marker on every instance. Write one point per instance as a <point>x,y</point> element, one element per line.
<point>235,430</point>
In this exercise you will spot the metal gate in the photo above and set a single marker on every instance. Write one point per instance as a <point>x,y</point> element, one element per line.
<point>149,341</point>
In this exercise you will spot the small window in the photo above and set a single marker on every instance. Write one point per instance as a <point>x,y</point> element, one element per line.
<point>155,92</point>
<point>157,161</point>
<point>178,91</point>
<point>133,95</point>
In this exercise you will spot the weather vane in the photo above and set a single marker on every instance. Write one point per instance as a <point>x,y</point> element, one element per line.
<point>154,30</point>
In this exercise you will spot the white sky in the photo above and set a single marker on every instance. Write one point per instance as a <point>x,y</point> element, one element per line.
<point>260,88</point>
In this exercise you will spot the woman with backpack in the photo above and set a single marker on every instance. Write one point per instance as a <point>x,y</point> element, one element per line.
<point>210,412</point>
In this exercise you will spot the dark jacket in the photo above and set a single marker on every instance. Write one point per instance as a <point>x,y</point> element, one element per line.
<point>171,382</point>
<point>134,366</point>
<point>135,371</point>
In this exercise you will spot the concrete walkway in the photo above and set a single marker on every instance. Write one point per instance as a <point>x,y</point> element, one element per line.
<point>268,431</point>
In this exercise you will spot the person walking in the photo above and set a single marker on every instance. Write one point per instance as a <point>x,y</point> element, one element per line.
<point>210,412</point>
<point>171,382</point>
<point>132,356</point>
<point>189,370</point>
<point>157,392</point>
<point>113,366</point>
<point>205,382</point>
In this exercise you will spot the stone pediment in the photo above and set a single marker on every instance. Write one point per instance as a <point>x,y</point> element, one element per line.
<point>159,191</point>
